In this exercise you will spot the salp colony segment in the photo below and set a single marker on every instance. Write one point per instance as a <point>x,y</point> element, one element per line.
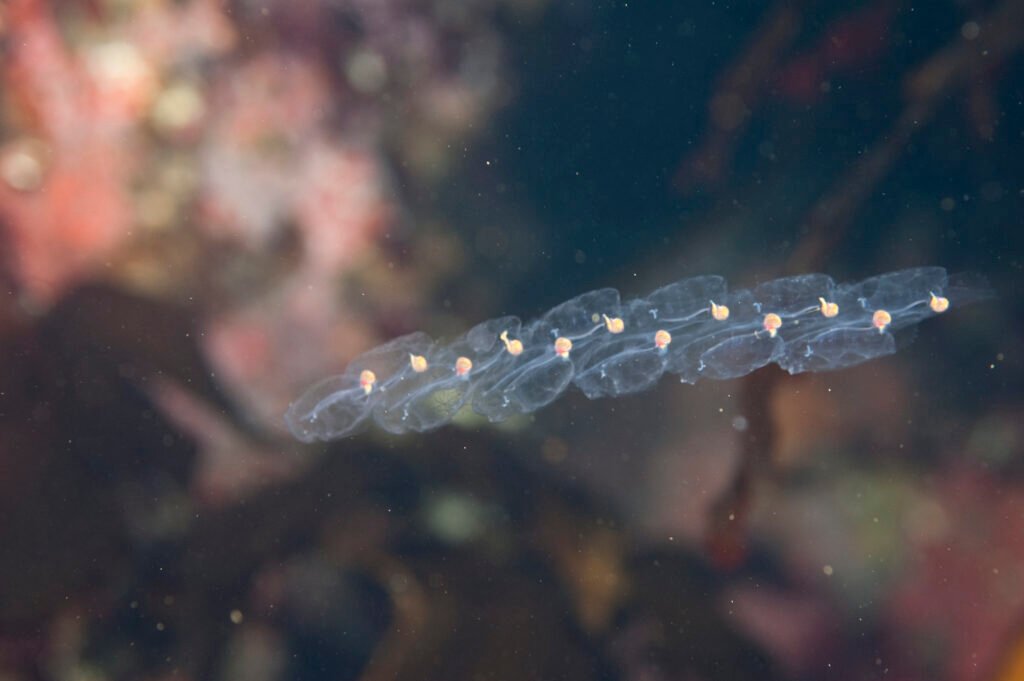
<point>695,328</point>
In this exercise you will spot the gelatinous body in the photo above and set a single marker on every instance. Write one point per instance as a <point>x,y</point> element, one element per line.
<point>695,328</point>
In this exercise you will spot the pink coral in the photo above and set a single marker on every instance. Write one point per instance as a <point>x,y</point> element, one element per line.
<point>961,594</point>
<point>80,210</point>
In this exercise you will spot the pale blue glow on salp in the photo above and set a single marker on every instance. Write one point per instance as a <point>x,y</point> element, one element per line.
<point>695,328</point>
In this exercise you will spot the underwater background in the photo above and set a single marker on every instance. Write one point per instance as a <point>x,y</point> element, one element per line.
<point>208,205</point>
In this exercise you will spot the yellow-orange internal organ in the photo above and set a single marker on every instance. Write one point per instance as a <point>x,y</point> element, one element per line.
<point>614,324</point>
<point>880,320</point>
<point>513,346</point>
<point>563,346</point>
